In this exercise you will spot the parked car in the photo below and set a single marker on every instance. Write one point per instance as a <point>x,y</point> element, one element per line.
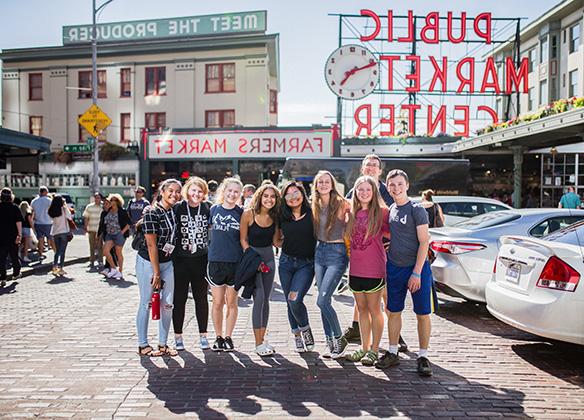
<point>535,287</point>
<point>458,208</point>
<point>465,253</point>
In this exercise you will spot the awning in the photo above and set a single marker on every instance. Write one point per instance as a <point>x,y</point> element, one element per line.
<point>16,143</point>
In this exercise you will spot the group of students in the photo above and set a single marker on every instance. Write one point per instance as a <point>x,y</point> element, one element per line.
<point>188,241</point>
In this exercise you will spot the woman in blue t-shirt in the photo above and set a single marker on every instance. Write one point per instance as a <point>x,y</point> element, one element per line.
<point>224,254</point>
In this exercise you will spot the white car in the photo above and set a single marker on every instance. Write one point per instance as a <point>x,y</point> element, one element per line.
<point>465,253</point>
<point>460,208</point>
<point>535,287</point>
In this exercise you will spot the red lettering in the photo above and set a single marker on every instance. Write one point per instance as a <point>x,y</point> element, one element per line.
<point>490,70</point>
<point>463,80</point>
<point>194,145</point>
<point>267,142</point>
<point>206,147</point>
<point>293,145</point>
<point>307,145</point>
<point>514,76</point>
<point>415,76</point>
<point>410,37</point>
<point>376,20</point>
<point>439,73</point>
<point>390,59</point>
<point>411,108</point>
<point>432,20</point>
<point>255,145</point>
<point>361,124</point>
<point>183,147</point>
<point>464,122</point>
<point>242,145</point>
<point>490,111</point>
<point>388,120</point>
<point>157,142</point>
<point>440,118</point>
<point>390,25</point>
<point>280,145</point>
<point>170,149</point>
<point>221,145</point>
<point>449,31</point>
<point>319,141</point>
<point>486,34</point>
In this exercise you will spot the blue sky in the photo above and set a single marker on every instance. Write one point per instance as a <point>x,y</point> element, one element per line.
<point>307,33</point>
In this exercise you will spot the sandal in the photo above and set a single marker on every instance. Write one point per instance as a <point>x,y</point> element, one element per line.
<point>164,351</point>
<point>145,351</point>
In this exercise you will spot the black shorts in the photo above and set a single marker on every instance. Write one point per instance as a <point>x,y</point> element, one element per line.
<point>221,273</point>
<point>365,284</point>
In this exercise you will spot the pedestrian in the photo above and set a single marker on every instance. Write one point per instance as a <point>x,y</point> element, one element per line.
<point>330,212</point>
<point>213,186</point>
<point>570,200</point>
<point>61,231</point>
<point>154,269</point>
<point>368,224</point>
<point>296,265</point>
<point>224,254</point>
<point>136,206</point>
<point>117,227</point>
<point>42,222</point>
<point>10,234</point>
<point>101,232</point>
<point>407,269</point>
<point>259,230</point>
<point>435,214</point>
<point>248,191</point>
<point>190,259</point>
<point>91,219</point>
<point>27,223</point>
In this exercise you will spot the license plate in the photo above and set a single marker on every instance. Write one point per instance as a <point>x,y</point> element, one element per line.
<point>512,273</point>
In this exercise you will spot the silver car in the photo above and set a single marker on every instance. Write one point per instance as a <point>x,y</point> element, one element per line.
<point>465,253</point>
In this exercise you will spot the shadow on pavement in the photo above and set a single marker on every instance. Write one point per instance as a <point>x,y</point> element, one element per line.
<point>9,288</point>
<point>561,360</point>
<point>343,390</point>
<point>122,283</point>
<point>60,280</point>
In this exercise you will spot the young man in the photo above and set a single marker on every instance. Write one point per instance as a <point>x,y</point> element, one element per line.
<point>10,234</point>
<point>570,200</point>
<point>91,218</point>
<point>42,222</point>
<point>407,269</point>
<point>136,207</point>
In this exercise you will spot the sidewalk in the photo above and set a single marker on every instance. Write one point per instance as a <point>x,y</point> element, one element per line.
<point>77,252</point>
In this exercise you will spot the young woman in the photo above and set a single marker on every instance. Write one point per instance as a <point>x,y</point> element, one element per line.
<point>368,223</point>
<point>117,226</point>
<point>26,211</point>
<point>259,230</point>
<point>190,259</point>
<point>224,254</point>
<point>435,215</point>
<point>296,266</point>
<point>60,229</point>
<point>154,269</point>
<point>330,212</point>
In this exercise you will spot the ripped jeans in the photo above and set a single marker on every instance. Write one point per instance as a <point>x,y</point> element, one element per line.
<point>144,275</point>
<point>296,276</point>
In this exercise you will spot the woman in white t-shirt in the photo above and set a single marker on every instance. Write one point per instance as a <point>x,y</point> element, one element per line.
<point>60,231</point>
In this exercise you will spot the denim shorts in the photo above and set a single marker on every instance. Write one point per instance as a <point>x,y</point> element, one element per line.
<point>118,239</point>
<point>43,231</point>
<point>26,232</point>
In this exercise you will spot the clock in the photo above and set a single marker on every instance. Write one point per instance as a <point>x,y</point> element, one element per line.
<point>352,72</point>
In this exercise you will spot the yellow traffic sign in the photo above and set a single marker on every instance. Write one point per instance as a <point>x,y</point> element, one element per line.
<point>94,120</point>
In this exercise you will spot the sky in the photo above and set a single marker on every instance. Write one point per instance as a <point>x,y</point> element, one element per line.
<point>307,33</point>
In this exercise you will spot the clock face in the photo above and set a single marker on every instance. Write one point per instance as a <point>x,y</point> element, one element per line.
<point>352,72</point>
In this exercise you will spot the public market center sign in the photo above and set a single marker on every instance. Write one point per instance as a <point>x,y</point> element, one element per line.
<point>219,24</point>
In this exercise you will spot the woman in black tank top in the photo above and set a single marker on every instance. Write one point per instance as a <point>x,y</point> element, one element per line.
<point>258,229</point>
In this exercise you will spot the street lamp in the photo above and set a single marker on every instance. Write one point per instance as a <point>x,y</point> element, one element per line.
<point>95,10</point>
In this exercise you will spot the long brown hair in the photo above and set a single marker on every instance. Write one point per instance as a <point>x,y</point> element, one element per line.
<point>256,201</point>
<point>375,210</point>
<point>335,203</point>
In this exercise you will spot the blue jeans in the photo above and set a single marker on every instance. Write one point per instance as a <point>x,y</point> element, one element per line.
<point>60,248</point>
<point>144,275</point>
<point>330,263</point>
<point>296,275</point>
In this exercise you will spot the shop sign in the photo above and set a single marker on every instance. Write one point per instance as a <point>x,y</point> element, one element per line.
<point>240,144</point>
<point>218,24</point>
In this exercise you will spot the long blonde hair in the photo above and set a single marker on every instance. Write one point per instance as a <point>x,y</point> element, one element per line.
<point>220,199</point>
<point>375,210</point>
<point>335,203</point>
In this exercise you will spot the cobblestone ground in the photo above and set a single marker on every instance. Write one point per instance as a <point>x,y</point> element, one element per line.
<point>68,349</point>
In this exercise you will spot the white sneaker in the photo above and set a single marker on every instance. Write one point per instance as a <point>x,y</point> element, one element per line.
<point>111,273</point>
<point>118,275</point>
<point>263,350</point>
<point>105,271</point>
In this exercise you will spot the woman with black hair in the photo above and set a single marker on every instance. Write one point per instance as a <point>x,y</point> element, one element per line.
<point>296,268</point>
<point>60,231</point>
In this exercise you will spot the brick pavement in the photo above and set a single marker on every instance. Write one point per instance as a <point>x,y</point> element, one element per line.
<point>68,349</point>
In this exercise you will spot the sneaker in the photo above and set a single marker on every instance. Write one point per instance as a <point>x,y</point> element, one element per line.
<point>219,344</point>
<point>424,367</point>
<point>326,353</point>
<point>299,344</point>
<point>179,344</point>
<point>228,344</point>
<point>356,356</point>
<point>369,358</point>
<point>204,343</point>
<point>308,339</point>
<point>387,360</point>
<point>339,347</point>
<point>26,260</point>
<point>263,350</point>
<point>105,272</point>
<point>352,335</point>
<point>403,347</point>
<point>118,275</point>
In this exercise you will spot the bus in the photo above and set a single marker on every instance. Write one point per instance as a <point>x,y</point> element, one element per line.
<point>444,176</point>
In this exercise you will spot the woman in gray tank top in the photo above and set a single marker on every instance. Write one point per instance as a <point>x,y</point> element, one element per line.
<point>330,212</point>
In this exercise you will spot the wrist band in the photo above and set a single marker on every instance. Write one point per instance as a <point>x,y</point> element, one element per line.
<point>416,275</point>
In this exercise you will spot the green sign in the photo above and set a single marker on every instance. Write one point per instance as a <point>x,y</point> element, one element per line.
<point>219,24</point>
<point>77,148</point>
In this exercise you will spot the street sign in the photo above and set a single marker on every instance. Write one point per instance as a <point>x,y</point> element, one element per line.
<point>77,148</point>
<point>94,120</point>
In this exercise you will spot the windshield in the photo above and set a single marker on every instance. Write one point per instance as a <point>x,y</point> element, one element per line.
<point>569,235</point>
<point>488,220</point>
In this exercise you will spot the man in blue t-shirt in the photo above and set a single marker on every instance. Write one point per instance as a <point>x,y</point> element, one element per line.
<point>407,269</point>
<point>570,200</point>
<point>136,207</point>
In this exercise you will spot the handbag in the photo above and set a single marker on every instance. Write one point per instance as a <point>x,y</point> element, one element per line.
<point>139,237</point>
<point>437,218</point>
<point>72,228</point>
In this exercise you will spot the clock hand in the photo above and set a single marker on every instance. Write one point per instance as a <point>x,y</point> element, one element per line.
<point>355,70</point>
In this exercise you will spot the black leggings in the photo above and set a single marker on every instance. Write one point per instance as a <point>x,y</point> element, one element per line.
<point>190,270</point>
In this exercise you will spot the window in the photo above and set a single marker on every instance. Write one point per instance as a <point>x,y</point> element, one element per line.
<point>554,89</point>
<point>125,83</point>
<point>553,224</point>
<point>84,134</point>
<point>554,53</point>
<point>125,128</point>
<point>574,38</point>
<point>223,118</point>
<point>573,86</point>
<point>543,50</point>
<point>85,87</point>
<point>35,86</point>
<point>531,55</point>
<point>155,120</point>
<point>273,101</point>
<point>543,92</point>
<point>530,99</point>
<point>220,78</point>
<point>35,125</point>
<point>155,81</point>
